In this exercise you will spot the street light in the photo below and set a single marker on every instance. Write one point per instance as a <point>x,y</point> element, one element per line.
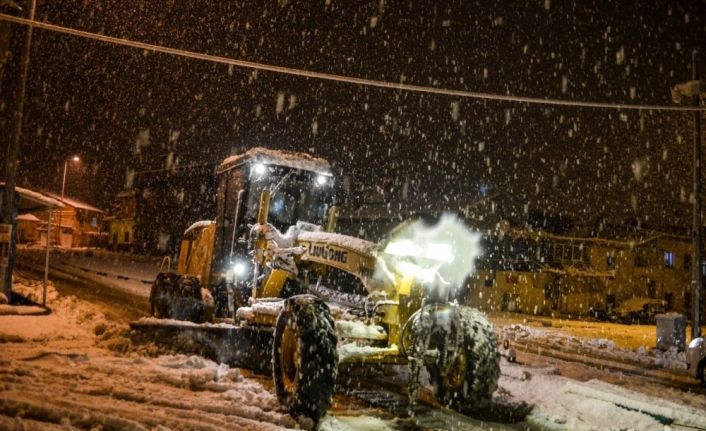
<point>63,189</point>
<point>693,90</point>
<point>63,182</point>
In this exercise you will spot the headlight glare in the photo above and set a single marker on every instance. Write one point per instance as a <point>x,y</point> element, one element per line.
<point>696,343</point>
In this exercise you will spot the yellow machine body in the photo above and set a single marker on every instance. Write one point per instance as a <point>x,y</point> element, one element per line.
<point>196,253</point>
<point>397,298</point>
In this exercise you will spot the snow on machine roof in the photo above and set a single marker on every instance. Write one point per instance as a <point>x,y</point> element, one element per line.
<point>198,225</point>
<point>267,156</point>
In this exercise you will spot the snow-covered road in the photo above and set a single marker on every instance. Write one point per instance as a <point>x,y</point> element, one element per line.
<point>77,369</point>
<point>127,273</point>
<point>74,369</point>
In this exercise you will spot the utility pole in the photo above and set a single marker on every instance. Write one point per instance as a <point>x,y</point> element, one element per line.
<point>696,101</point>
<point>8,200</point>
<point>693,90</point>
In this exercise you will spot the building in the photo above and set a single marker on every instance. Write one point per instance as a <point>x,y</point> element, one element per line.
<point>26,201</point>
<point>540,273</point>
<point>28,229</point>
<point>121,224</point>
<point>78,224</point>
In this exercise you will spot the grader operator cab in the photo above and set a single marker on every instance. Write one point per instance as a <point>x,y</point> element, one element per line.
<point>267,264</point>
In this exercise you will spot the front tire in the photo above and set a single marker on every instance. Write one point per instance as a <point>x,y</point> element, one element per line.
<point>470,381</point>
<point>702,372</point>
<point>305,359</point>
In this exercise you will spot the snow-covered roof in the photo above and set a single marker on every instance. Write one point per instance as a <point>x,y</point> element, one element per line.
<point>630,240</point>
<point>289,159</point>
<point>74,203</point>
<point>29,200</point>
<point>27,217</point>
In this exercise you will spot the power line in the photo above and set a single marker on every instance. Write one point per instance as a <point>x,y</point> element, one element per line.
<point>335,77</point>
<point>177,168</point>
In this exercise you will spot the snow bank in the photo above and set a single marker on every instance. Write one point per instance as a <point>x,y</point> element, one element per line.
<point>354,423</point>
<point>238,395</point>
<point>154,321</point>
<point>351,351</point>
<point>358,329</point>
<point>596,347</point>
<point>261,307</point>
<point>20,310</point>
<point>559,403</point>
<point>70,320</point>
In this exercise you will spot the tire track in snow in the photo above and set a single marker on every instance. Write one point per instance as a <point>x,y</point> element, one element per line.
<point>102,392</point>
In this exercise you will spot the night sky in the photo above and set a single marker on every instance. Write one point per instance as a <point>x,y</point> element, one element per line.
<point>126,111</point>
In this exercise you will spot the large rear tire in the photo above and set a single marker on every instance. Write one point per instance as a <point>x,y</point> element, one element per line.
<point>468,384</point>
<point>305,359</point>
<point>159,294</point>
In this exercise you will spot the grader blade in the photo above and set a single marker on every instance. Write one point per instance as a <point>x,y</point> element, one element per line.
<point>238,346</point>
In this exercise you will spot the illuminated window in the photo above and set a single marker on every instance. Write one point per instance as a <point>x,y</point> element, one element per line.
<point>570,254</point>
<point>669,259</point>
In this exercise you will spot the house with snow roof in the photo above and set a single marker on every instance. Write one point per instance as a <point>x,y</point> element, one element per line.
<point>78,224</point>
<point>28,228</point>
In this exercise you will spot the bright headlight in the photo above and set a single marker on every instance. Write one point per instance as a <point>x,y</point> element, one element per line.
<point>239,269</point>
<point>403,247</point>
<point>440,252</point>
<point>409,269</point>
<point>440,256</point>
<point>696,343</point>
<point>321,180</point>
<point>259,169</point>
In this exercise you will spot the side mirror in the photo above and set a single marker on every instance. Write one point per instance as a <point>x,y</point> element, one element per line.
<point>262,214</point>
<point>333,213</point>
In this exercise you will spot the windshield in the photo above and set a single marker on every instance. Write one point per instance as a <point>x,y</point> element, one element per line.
<point>296,195</point>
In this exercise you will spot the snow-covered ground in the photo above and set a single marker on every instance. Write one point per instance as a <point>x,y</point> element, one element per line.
<point>75,369</point>
<point>562,403</point>
<point>634,344</point>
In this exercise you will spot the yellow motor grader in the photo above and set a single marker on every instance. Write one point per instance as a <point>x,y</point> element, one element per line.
<point>270,264</point>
